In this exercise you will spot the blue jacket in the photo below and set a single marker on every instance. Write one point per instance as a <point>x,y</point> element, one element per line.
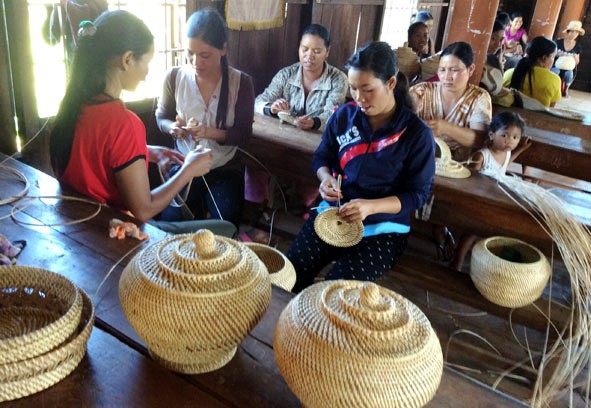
<point>396,160</point>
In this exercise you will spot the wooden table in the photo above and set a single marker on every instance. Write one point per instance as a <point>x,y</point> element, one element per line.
<point>475,204</point>
<point>116,371</point>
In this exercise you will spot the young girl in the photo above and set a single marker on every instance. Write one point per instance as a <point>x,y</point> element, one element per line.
<point>505,143</point>
<point>503,146</point>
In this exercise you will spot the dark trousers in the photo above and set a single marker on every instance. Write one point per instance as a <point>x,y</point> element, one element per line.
<point>227,188</point>
<point>368,260</point>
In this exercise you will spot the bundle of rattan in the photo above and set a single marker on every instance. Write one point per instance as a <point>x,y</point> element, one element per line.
<point>45,323</point>
<point>356,344</point>
<point>509,272</point>
<point>193,298</point>
<point>445,166</point>
<point>281,270</point>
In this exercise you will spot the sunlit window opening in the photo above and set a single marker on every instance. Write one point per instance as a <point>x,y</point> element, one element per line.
<point>48,24</point>
<point>397,18</point>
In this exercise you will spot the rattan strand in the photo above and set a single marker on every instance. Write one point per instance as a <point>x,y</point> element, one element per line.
<point>27,377</point>
<point>333,230</point>
<point>39,310</point>
<point>506,283</point>
<point>193,298</point>
<point>281,270</point>
<point>353,344</point>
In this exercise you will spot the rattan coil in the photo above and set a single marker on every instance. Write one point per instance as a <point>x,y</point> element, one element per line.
<point>356,344</point>
<point>27,377</point>
<point>445,166</point>
<point>39,310</point>
<point>281,270</point>
<point>505,282</point>
<point>193,298</point>
<point>335,231</point>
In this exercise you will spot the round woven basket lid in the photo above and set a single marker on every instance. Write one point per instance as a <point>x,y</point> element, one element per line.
<point>445,166</point>
<point>39,310</point>
<point>200,263</point>
<point>335,231</point>
<point>351,343</point>
<point>22,378</point>
<point>281,270</point>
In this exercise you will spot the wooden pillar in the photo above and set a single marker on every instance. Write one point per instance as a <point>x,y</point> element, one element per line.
<point>472,21</point>
<point>544,19</point>
<point>573,10</point>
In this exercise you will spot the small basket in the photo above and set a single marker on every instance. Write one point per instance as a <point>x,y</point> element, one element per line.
<point>356,344</point>
<point>509,272</point>
<point>281,270</point>
<point>26,377</point>
<point>39,310</point>
<point>445,166</point>
<point>333,230</point>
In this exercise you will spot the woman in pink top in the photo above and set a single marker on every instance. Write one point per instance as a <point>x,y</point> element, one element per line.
<point>515,40</point>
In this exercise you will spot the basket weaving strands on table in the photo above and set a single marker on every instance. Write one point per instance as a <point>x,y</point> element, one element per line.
<point>193,298</point>
<point>356,344</point>
<point>445,166</point>
<point>54,359</point>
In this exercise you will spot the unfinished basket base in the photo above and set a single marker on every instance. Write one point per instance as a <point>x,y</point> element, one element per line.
<point>211,361</point>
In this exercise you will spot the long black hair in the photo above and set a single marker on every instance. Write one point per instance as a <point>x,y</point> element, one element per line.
<point>536,49</point>
<point>379,58</point>
<point>209,26</point>
<point>111,35</point>
<point>461,50</point>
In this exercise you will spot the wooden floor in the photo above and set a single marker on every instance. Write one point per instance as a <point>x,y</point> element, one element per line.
<point>578,101</point>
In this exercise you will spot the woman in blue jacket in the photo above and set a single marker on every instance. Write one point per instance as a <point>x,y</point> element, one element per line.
<point>386,157</point>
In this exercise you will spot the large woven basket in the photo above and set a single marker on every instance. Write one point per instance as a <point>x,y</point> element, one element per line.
<point>39,310</point>
<point>193,298</point>
<point>28,376</point>
<point>356,344</point>
<point>509,272</point>
<point>281,270</point>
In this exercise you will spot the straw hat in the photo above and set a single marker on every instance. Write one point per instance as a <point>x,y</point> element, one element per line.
<point>575,26</point>
<point>445,166</point>
<point>44,360</point>
<point>193,298</point>
<point>335,231</point>
<point>509,272</point>
<point>281,270</point>
<point>349,343</point>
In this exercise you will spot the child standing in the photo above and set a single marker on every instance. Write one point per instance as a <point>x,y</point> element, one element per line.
<point>503,146</point>
<point>505,143</point>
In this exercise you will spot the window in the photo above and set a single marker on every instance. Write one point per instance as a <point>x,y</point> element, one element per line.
<point>397,18</point>
<point>49,41</point>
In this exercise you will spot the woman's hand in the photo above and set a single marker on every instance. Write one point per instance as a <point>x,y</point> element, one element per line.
<point>197,132</point>
<point>164,157</point>
<point>438,126</point>
<point>356,210</point>
<point>199,161</point>
<point>279,105</point>
<point>304,122</point>
<point>329,189</point>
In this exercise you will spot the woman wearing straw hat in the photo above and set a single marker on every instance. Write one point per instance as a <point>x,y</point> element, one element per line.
<point>386,157</point>
<point>569,54</point>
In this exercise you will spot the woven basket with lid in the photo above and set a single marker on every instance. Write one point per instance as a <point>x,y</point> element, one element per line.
<point>193,298</point>
<point>508,271</point>
<point>352,344</point>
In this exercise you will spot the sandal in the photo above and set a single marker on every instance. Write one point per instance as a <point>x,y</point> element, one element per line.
<point>445,247</point>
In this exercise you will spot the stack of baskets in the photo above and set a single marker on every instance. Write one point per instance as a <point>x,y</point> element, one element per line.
<point>45,323</point>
